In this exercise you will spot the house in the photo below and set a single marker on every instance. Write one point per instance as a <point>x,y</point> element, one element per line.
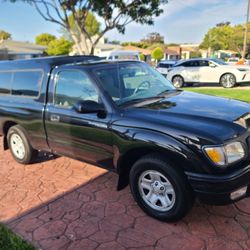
<point>172,53</point>
<point>188,48</point>
<point>145,52</point>
<point>11,50</point>
<point>104,49</point>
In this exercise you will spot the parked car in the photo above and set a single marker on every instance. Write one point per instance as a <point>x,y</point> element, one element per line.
<point>237,61</point>
<point>232,60</point>
<point>123,55</point>
<point>164,66</point>
<point>169,145</point>
<point>208,71</point>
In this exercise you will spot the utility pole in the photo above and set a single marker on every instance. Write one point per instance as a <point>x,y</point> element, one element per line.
<point>246,31</point>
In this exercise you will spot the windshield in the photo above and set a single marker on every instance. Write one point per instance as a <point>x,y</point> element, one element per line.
<point>218,61</point>
<point>130,82</point>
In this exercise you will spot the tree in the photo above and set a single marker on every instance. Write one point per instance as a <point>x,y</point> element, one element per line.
<point>195,54</point>
<point>152,38</point>
<point>223,24</point>
<point>59,47</point>
<point>157,54</point>
<point>224,36</point>
<point>142,57</point>
<point>44,39</point>
<point>92,26</point>
<point>115,14</point>
<point>236,43</point>
<point>4,35</point>
<point>218,38</point>
<point>136,44</point>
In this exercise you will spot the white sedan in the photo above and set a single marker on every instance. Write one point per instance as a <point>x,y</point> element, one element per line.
<point>208,71</point>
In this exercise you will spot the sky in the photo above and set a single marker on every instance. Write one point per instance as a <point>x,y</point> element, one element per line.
<point>183,21</point>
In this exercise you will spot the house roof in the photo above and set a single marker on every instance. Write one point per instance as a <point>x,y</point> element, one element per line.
<point>140,50</point>
<point>108,46</point>
<point>15,47</point>
<point>172,52</point>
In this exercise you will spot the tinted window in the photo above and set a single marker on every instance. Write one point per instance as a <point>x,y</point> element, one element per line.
<point>26,83</point>
<point>191,64</point>
<point>5,82</point>
<point>72,86</point>
<point>164,65</point>
<point>203,63</point>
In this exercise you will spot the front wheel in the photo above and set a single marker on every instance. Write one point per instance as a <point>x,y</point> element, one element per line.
<point>160,190</point>
<point>178,81</point>
<point>228,80</point>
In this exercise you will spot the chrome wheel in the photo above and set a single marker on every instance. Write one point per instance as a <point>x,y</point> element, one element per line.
<point>228,80</point>
<point>156,190</point>
<point>178,81</point>
<point>17,146</point>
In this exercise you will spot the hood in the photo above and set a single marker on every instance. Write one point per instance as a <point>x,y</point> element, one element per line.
<point>193,113</point>
<point>193,104</point>
<point>235,66</point>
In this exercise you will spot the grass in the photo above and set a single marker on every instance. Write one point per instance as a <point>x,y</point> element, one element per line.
<point>10,241</point>
<point>239,94</point>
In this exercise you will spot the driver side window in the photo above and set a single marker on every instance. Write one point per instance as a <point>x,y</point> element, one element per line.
<point>73,86</point>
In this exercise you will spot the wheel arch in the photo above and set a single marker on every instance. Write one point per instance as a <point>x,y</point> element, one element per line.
<point>232,73</point>
<point>127,160</point>
<point>6,126</point>
<point>178,74</point>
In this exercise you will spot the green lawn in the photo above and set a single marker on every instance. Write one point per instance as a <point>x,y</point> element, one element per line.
<point>9,241</point>
<point>240,94</point>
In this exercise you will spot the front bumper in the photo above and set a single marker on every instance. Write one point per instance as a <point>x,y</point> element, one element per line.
<point>216,189</point>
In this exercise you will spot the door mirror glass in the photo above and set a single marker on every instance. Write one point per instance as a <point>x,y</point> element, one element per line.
<point>88,107</point>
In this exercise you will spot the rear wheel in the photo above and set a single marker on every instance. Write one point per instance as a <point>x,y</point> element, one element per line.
<point>228,80</point>
<point>159,189</point>
<point>19,145</point>
<point>178,81</point>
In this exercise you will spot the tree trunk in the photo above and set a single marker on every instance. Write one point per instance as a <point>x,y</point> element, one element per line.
<point>93,44</point>
<point>84,43</point>
<point>77,43</point>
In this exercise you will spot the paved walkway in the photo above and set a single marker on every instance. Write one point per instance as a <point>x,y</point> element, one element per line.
<point>65,204</point>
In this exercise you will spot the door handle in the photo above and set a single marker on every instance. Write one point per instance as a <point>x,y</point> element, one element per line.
<point>55,118</point>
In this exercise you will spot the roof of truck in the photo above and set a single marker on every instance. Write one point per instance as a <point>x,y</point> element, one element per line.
<point>43,62</point>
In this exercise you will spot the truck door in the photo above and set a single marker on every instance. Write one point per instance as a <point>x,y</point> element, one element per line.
<point>81,136</point>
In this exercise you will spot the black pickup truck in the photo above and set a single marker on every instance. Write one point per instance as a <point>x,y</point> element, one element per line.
<point>169,145</point>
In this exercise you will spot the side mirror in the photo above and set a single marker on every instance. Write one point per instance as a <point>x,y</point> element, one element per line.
<point>88,107</point>
<point>212,65</point>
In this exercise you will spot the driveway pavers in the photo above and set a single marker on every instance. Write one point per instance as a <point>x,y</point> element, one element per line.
<point>59,203</point>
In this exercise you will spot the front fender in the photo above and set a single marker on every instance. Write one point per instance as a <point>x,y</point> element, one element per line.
<point>132,143</point>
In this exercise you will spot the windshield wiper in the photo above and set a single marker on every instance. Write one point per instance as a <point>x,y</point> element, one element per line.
<point>168,91</point>
<point>139,100</point>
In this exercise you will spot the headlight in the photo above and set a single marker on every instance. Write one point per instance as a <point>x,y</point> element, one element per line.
<point>227,154</point>
<point>240,69</point>
<point>234,152</point>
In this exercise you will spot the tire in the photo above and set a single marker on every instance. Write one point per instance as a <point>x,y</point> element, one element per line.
<point>228,80</point>
<point>19,145</point>
<point>151,174</point>
<point>178,81</point>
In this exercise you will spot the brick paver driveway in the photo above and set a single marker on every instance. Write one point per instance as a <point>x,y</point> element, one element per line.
<point>65,204</point>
